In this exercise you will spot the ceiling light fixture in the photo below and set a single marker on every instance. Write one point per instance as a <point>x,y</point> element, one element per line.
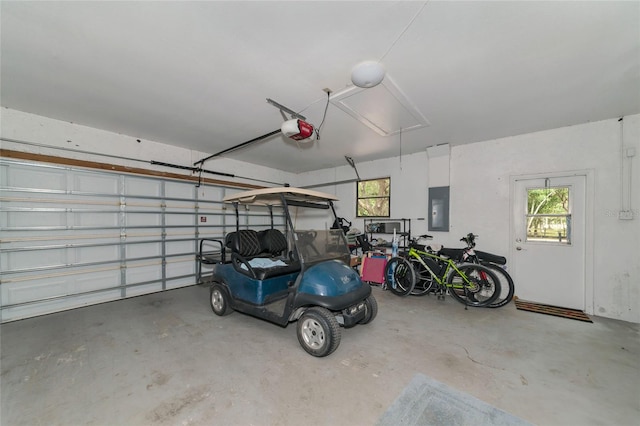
<point>367,74</point>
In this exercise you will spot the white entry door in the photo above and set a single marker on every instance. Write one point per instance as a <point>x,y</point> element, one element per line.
<point>548,246</point>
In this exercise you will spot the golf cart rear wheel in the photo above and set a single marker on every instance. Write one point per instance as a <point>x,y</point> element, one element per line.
<point>219,300</point>
<point>371,307</point>
<point>318,331</point>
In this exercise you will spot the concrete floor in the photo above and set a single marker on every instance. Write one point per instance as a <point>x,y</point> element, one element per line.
<point>167,359</point>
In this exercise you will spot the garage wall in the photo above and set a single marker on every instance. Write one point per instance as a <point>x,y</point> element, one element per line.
<point>480,177</point>
<point>405,202</point>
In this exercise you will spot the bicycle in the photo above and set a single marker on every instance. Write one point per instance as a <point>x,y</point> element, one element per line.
<point>495,262</point>
<point>469,283</point>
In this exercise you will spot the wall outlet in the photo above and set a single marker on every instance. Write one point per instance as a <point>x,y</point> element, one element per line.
<point>625,214</point>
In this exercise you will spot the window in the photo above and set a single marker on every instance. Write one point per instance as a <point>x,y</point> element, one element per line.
<point>548,215</point>
<point>373,198</point>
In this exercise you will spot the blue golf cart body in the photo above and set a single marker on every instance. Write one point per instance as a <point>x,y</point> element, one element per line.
<point>293,274</point>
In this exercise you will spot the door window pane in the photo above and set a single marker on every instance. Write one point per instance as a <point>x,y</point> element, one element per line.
<point>549,215</point>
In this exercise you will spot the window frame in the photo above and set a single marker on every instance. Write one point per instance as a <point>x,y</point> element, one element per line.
<point>567,215</point>
<point>358,197</point>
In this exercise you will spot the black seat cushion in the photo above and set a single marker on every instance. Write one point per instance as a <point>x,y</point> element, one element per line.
<point>272,241</point>
<point>244,242</point>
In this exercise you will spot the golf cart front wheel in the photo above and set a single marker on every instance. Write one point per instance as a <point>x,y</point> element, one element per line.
<point>219,300</point>
<point>318,331</point>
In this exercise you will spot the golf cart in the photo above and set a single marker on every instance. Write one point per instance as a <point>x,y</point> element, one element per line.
<point>297,275</point>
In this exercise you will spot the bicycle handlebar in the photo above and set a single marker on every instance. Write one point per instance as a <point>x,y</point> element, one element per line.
<point>469,239</point>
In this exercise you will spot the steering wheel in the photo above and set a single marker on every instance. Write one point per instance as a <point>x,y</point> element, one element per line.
<point>308,236</point>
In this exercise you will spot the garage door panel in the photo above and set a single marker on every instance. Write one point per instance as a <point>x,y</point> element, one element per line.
<point>179,190</point>
<point>96,254</point>
<point>143,219</point>
<point>180,219</point>
<point>179,247</point>
<point>212,234</point>
<point>22,219</point>
<point>211,193</point>
<point>20,260</point>
<point>13,313</point>
<point>68,257</point>
<point>210,219</point>
<point>179,272</point>
<point>178,283</point>
<point>72,237</point>
<point>58,237</point>
<point>96,183</point>
<point>143,250</point>
<point>21,176</point>
<point>180,266</point>
<point>142,186</point>
<point>91,281</point>
<point>50,286</point>
<point>260,221</point>
<point>144,289</point>
<point>180,206</point>
<point>25,291</point>
<point>93,219</point>
<point>141,273</point>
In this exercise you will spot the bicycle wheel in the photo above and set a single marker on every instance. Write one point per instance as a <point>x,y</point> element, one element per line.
<point>424,280</point>
<point>399,276</point>
<point>482,289</point>
<point>507,287</point>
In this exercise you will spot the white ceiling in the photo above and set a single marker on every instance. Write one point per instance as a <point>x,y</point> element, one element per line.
<point>197,74</point>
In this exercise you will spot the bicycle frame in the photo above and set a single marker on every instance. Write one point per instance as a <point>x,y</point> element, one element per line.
<point>451,266</point>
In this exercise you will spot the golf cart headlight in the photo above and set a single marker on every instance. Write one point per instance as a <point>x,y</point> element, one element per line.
<point>355,308</point>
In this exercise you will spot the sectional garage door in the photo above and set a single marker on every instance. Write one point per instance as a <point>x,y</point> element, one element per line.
<point>72,237</point>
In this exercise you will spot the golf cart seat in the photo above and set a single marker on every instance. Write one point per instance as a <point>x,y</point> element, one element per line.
<point>259,248</point>
<point>272,241</point>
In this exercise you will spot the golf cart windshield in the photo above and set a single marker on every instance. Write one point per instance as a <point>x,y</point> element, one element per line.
<point>316,246</point>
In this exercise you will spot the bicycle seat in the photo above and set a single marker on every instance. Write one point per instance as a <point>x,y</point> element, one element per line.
<point>433,248</point>
<point>452,253</point>
<point>493,258</point>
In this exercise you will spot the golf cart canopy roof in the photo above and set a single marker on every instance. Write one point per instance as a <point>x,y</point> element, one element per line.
<point>272,196</point>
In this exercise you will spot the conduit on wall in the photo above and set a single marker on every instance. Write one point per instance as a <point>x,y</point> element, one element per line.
<point>626,176</point>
